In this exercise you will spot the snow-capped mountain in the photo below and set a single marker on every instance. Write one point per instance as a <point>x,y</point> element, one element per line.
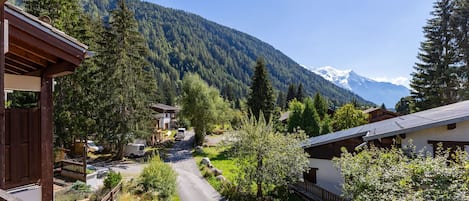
<point>369,89</point>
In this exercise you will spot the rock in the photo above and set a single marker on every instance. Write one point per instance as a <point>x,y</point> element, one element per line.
<point>216,171</point>
<point>210,165</point>
<point>205,161</point>
<point>199,150</point>
<point>220,178</point>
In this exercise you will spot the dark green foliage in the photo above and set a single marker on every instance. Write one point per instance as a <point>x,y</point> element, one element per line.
<point>127,86</point>
<point>281,100</point>
<point>295,118</point>
<point>158,179</point>
<point>261,96</point>
<point>181,42</point>
<point>310,119</point>
<point>112,179</point>
<point>300,94</point>
<point>326,125</point>
<point>320,105</point>
<point>440,77</point>
<point>23,99</point>
<point>404,105</point>
<point>291,93</point>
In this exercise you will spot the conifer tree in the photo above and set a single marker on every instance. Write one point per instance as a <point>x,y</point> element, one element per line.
<point>127,83</point>
<point>295,117</point>
<point>320,105</point>
<point>460,23</point>
<point>435,81</point>
<point>300,94</point>
<point>326,125</point>
<point>310,119</point>
<point>291,93</point>
<point>75,102</point>
<point>261,97</point>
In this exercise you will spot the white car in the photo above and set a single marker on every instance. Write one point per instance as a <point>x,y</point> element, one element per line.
<point>181,134</point>
<point>92,147</point>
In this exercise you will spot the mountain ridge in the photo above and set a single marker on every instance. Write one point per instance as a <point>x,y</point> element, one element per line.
<point>182,42</point>
<point>376,91</point>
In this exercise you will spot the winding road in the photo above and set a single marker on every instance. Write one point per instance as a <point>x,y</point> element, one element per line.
<point>191,186</point>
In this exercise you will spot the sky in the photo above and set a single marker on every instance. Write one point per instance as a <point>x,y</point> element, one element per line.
<point>375,38</point>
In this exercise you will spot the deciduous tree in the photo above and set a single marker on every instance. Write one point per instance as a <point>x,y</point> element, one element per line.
<point>267,158</point>
<point>347,117</point>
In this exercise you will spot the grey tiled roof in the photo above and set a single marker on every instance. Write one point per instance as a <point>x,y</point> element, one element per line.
<point>440,116</point>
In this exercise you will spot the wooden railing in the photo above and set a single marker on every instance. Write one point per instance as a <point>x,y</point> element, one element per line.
<point>319,192</point>
<point>112,195</point>
<point>74,170</point>
<point>8,197</point>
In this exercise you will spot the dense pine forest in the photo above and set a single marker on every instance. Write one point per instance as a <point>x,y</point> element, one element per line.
<point>181,42</point>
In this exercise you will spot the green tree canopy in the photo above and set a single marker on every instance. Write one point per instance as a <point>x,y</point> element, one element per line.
<point>348,117</point>
<point>295,117</point>
<point>261,96</point>
<point>202,105</point>
<point>310,119</point>
<point>372,171</point>
<point>320,105</point>
<point>127,83</point>
<point>267,158</point>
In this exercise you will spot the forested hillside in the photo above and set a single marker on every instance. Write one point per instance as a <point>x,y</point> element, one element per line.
<point>181,42</point>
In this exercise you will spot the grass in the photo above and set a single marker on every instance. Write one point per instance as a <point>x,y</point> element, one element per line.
<point>220,159</point>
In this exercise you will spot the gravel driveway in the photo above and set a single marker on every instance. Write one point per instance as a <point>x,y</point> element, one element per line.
<point>191,186</point>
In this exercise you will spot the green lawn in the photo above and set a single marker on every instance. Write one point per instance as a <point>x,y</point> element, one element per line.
<point>219,158</point>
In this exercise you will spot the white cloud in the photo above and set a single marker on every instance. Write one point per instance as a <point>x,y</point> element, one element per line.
<point>404,81</point>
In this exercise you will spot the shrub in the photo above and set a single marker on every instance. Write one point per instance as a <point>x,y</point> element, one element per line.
<point>112,179</point>
<point>159,178</point>
<point>81,187</point>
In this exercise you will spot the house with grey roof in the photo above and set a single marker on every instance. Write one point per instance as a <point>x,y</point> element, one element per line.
<point>448,125</point>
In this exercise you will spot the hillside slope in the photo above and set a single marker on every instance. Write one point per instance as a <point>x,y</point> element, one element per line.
<point>181,42</point>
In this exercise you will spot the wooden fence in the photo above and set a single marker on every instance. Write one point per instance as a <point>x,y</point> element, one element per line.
<point>73,169</point>
<point>318,192</point>
<point>111,196</point>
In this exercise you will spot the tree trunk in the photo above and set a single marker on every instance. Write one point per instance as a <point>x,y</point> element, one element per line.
<point>120,151</point>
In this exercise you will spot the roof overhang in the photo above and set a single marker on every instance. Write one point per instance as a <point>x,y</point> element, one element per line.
<point>35,48</point>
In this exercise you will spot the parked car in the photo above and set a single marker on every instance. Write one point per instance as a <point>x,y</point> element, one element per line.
<point>100,171</point>
<point>92,147</point>
<point>181,134</point>
<point>134,150</point>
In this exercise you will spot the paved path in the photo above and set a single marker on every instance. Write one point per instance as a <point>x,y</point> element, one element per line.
<point>191,186</point>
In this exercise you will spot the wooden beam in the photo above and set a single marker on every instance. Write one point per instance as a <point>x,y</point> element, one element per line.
<point>26,55</point>
<point>20,30</point>
<point>2,98</point>
<point>23,62</point>
<point>46,139</point>
<point>22,83</point>
<point>59,69</point>
<point>33,51</point>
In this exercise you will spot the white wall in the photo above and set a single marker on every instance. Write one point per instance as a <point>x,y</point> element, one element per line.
<point>327,176</point>
<point>420,138</point>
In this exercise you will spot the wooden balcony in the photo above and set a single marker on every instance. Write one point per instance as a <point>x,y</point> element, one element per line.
<point>315,192</point>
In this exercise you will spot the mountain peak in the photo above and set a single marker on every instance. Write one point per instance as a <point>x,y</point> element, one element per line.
<point>375,91</point>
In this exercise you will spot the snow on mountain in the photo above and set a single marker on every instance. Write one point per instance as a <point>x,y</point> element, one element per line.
<point>369,89</point>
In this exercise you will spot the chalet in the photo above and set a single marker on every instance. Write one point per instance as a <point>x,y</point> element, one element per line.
<point>32,54</point>
<point>379,114</point>
<point>448,125</point>
<point>166,116</point>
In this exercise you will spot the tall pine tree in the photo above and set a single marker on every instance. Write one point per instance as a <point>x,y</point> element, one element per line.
<point>127,83</point>
<point>261,97</point>
<point>435,80</point>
